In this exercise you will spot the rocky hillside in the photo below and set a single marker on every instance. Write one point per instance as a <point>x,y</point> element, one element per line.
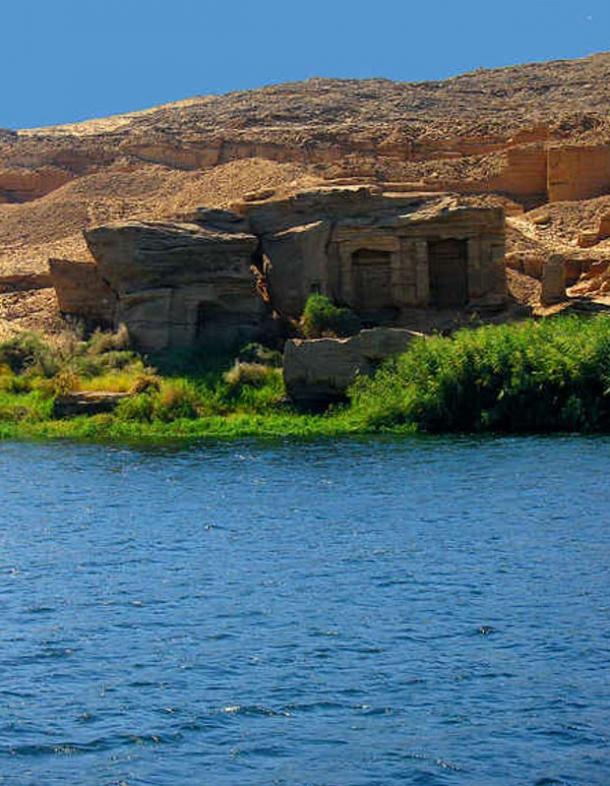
<point>483,132</point>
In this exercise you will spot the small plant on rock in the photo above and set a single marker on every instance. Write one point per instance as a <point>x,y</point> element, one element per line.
<point>321,317</point>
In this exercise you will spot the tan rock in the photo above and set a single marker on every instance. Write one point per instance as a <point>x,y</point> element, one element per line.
<point>553,281</point>
<point>604,227</point>
<point>82,292</point>
<point>588,239</point>
<point>533,265</point>
<point>180,285</point>
<point>319,371</point>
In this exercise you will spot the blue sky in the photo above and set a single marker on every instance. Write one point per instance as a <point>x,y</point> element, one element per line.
<point>65,60</point>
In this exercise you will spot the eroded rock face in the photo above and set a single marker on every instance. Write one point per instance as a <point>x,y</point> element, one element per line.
<point>553,281</point>
<point>180,285</point>
<point>319,371</point>
<point>213,278</point>
<point>379,253</point>
<point>82,292</point>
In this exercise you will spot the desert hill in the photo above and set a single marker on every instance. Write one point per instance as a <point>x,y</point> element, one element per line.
<point>490,132</point>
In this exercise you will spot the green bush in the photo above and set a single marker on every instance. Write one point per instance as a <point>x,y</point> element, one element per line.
<point>177,398</point>
<point>248,374</point>
<point>322,317</point>
<point>258,353</point>
<point>146,382</point>
<point>26,350</point>
<point>105,341</point>
<point>140,408</point>
<point>532,376</point>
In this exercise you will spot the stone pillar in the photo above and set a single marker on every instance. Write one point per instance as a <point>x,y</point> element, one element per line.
<point>475,284</point>
<point>498,254</point>
<point>553,281</point>
<point>422,273</point>
<point>397,280</point>
<point>347,282</point>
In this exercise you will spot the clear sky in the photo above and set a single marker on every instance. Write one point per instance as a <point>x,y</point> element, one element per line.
<point>66,60</point>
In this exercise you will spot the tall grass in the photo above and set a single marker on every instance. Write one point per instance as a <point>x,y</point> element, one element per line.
<point>552,375</point>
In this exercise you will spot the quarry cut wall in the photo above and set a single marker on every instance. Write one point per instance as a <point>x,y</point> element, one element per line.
<point>578,172</point>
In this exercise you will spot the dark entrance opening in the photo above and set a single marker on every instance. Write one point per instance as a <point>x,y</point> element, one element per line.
<point>448,266</point>
<point>372,281</point>
<point>217,326</point>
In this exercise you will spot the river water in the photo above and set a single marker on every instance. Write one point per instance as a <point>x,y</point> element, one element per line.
<point>373,613</point>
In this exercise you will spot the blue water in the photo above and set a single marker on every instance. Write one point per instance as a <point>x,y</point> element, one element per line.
<point>353,614</point>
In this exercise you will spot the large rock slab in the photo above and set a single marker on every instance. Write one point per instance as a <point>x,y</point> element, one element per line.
<point>179,284</point>
<point>87,402</point>
<point>82,292</point>
<point>318,372</point>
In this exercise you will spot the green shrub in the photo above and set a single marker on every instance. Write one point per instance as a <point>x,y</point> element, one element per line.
<point>64,382</point>
<point>258,353</point>
<point>117,360</point>
<point>175,400</point>
<point>322,317</point>
<point>248,374</point>
<point>146,382</point>
<point>105,341</point>
<point>532,376</point>
<point>12,383</point>
<point>25,350</point>
<point>140,408</point>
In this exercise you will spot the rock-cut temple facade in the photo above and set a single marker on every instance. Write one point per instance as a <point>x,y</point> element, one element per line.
<point>217,277</point>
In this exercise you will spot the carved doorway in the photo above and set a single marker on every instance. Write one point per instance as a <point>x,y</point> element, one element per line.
<point>448,265</point>
<point>372,280</point>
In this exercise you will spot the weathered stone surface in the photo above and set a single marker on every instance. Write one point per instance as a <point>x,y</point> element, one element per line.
<point>20,184</point>
<point>604,227</point>
<point>319,371</point>
<point>86,403</point>
<point>215,280</point>
<point>23,282</point>
<point>296,265</point>
<point>553,281</point>
<point>533,265</point>
<point>587,239</point>
<point>81,291</point>
<point>381,253</point>
<point>578,172</point>
<point>180,284</point>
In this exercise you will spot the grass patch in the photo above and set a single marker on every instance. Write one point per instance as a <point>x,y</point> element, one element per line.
<point>552,375</point>
<point>321,317</point>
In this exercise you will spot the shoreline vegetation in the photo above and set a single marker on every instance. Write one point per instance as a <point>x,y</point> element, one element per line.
<point>542,376</point>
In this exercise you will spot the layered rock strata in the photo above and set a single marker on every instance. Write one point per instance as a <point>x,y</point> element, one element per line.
<point>217,279</point>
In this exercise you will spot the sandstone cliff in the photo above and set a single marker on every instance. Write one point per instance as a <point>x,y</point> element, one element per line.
<point>530,134</point>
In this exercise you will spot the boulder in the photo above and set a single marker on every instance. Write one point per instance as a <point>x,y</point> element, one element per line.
<point>588,239</point>
<point>604,227</point>
<point>318,372</point>
<point>533,265</point>
<point>180,285</point>
<point>81,291</point>
<point>553,281</point>
<point>87,402</point>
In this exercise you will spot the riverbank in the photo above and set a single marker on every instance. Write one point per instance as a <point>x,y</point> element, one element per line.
<point>551,375</point>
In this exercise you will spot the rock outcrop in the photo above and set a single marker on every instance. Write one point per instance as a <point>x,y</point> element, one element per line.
<point>529,135</point>
<point>318,372</point>
<point>87,402</point>
<point>82,292</point>
<point>215,281</point>
<point>180,285</point>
